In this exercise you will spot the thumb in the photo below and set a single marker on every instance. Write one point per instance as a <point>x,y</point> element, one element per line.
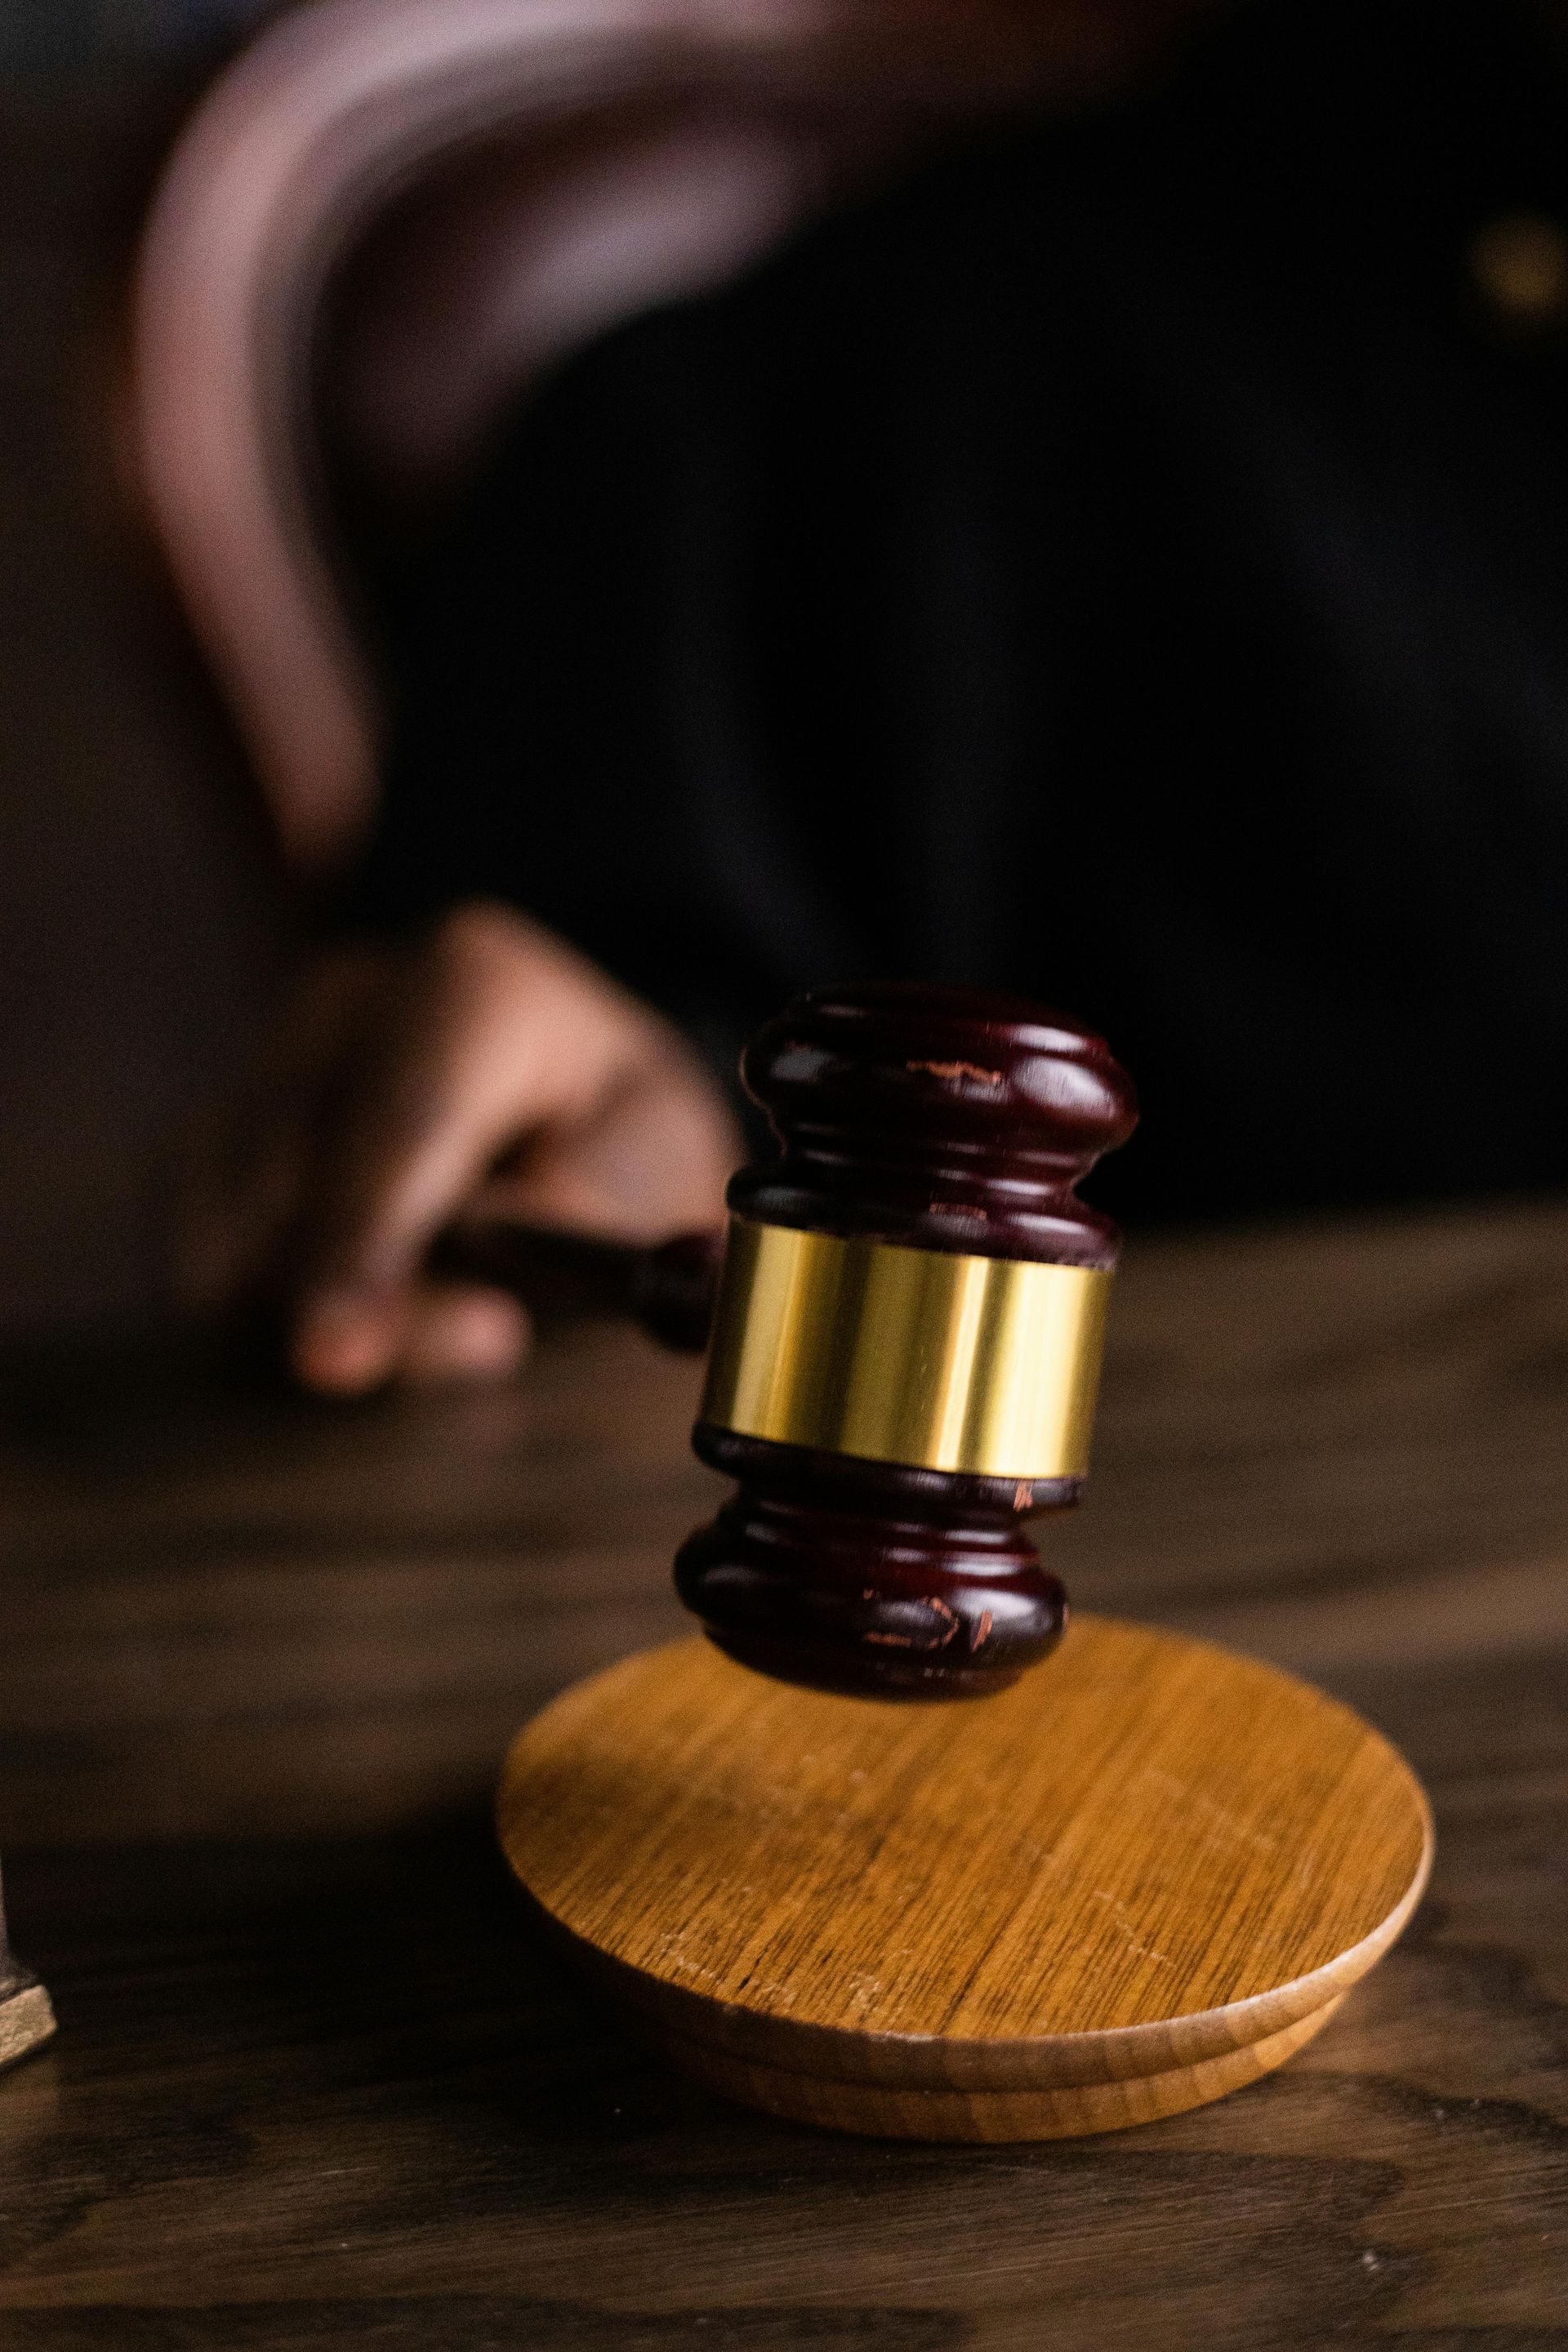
<point>651,1158</point>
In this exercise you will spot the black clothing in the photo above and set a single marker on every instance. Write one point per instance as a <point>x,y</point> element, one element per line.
<point>1128,566</point>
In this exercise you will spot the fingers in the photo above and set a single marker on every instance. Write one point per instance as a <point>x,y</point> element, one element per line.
<point>493,1064</point>
<point>461,1333</point>
<point>431,1333</point>
<point>498,1044</point>
<point>485,1040</point>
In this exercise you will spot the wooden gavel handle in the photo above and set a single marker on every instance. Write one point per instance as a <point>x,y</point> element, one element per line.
<point>670,1290</point>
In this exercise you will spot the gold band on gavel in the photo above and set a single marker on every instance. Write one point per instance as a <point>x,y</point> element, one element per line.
<point>913,1356</point>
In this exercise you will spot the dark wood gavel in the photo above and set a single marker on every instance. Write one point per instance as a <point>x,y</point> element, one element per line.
<point>903,1328</point>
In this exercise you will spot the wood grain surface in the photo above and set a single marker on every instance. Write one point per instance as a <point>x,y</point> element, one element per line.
<point>314,2086</point>
<point>1153,1859</point>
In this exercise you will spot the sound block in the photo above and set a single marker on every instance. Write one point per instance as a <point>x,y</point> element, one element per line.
<point>1138,1879</point>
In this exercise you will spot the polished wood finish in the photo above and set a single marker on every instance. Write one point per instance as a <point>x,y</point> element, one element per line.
<point>945,1119</point>
<point>668,1290</point>
<point>949,1120</point>
<point>315,2085</point>
<point>912,1586</point>
<point>1138,1882</point>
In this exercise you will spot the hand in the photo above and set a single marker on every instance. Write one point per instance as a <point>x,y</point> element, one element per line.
<point>490,1069</point>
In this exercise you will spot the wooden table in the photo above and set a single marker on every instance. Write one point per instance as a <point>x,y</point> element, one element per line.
<point>314,2086</point>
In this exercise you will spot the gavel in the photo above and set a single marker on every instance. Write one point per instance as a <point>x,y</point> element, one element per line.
<point>903,1327</point>
<point>1010,1922</point>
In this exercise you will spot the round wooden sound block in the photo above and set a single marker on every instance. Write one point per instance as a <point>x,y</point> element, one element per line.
<point>1138,1880</point>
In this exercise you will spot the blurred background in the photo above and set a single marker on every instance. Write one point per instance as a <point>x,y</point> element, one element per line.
<point>1303,473</point>
<point>158,857</point>
<point>143,912</point>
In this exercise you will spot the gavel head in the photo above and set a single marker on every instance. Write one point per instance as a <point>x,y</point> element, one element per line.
<point>906,1343</point>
